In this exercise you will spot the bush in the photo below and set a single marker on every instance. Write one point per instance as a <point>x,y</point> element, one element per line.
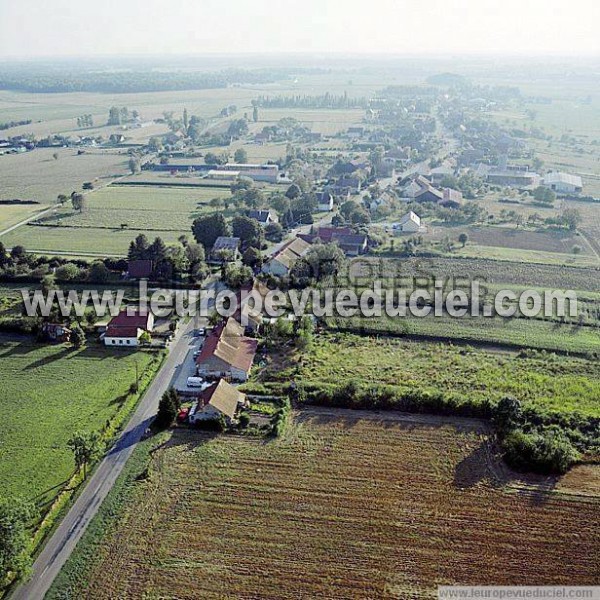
<point>548,451</point>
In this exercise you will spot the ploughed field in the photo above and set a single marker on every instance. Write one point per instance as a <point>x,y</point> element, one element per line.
<point>346,505</point>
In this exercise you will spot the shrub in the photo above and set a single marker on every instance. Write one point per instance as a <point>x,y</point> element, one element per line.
<point>547,451</point>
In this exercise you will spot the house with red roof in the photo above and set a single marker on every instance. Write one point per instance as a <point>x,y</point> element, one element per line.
<point>127,327</point>
<point>227,353</point>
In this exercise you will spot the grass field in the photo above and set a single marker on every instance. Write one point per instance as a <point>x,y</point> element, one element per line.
<point>557,383</point>
<point>155,211</point>
<point>37,176</point>
<point>41,408</point>
<point>347,505</point>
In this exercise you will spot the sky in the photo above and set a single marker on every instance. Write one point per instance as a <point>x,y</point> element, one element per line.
<point>42,28</point>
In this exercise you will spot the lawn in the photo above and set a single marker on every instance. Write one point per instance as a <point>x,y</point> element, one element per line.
<point>40,407</point>
<point>347,505</point>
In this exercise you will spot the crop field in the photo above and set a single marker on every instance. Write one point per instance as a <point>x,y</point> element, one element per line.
<point>518,239</point>
<point>496,331</point>
<point>41,408</point>
<point>347,505</point>
<point>113,216</point>
<point>11,214</point>
<point>363,271</point>
<point>38,176</point>
<point>558,384</point>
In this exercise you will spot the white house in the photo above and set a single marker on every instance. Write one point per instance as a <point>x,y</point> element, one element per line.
<point>126,328</point>
<point>409,223</point>
<point>563,183</point>
<point>324,201</point>
<point>281,263</point>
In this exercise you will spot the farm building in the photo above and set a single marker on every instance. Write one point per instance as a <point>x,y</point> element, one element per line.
<point>220,400</point>
<point>225,248</point>
<point>429,194</point>
<point>451,197</point>
<point>409,223</point>
<point>264,217</point>
<point>415,186</point>
<point>281,263</point>
<point>353,244</point>
<point>127,327</point>
<point>227,352</point>
<point>563,183</point>
<point>324,201</point>
<point>222,175</point>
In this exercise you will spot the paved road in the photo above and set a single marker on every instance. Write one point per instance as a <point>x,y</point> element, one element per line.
<point>62,543</point>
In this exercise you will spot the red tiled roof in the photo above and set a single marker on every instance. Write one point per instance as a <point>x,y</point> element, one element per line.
<point>326,234</point>
<point>228,344</point>
<point>139,268</point>
<point>121,332</point>
<point>136,319</point>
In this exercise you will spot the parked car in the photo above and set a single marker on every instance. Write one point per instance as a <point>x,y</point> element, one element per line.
<point>200,332</point>
<point>195,382</point>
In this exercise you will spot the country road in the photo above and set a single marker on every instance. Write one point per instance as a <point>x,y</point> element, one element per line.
<point>69,532</point>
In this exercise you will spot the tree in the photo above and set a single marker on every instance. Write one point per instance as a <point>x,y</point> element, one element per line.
<point>241,184</point>
<point>249,231</point>
<point>208,228</point>
<point>18,253</point>
<point>544,195</point>
<point>360,216</point>
<point>463,238</point>
<point>508,414</point>
<point>321,261</point>
<point>280,204</point>
<point>274,232</point>
<point>114,116</point>
<point>145,338</point>
<point>78,201</point>
<point>3,256</point>
<point>167,409</point>
<point>15,518</point>
<point>571,217</point>
<point>134,165</point>
<point>98,272</point>
<point>293,191</point>
<point>67,272</point>
<point>240,156</point>
<point>196,260</point>
<point>252,257</point>
<point>77,336</point>
<point>255,113</point>
<point>55,155</point>
<point>62,198</point>
<point>85,448</point>
<point>186,122</point>
<point>138,248</point>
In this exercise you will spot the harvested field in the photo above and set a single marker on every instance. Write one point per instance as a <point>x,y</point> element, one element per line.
<point>349,505</point>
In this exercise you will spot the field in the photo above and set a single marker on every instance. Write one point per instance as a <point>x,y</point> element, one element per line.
<point>41,407</point>
<point>347,505</point>
<point>558,384</point>
<point>37,176</point>
<point>155,211</point>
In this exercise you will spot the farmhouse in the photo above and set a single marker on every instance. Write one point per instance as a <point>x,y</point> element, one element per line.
<point>451,197</point>
<point>563,183</point>
<point>220,400</point>
<point>225,248</point>
<point>324,201</point>
<point>409,223</point>
<point>264,217</point>
<point>227,352</point>
<point>127,327</point>
<point>429,194</point>
<point>281,263</point>
<point>444,170</point>
<point>415,186</point>
<point>353,244</point>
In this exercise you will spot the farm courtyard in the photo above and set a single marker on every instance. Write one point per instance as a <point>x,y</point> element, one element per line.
<point>346,505</point>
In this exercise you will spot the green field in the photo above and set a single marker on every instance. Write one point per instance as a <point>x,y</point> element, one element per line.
<point>556,383</point>
<point>155,211</point>
<point>40,408</point>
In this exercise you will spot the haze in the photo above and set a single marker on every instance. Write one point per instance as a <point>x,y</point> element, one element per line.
<point>32,28</point>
